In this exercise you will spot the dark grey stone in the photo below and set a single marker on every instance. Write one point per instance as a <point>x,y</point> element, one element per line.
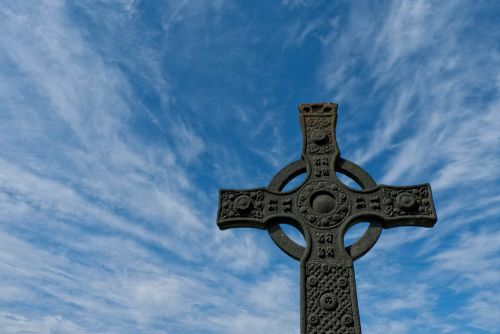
<point>323,209</point>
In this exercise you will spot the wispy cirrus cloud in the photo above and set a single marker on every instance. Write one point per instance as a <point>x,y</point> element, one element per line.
<point>95,208</point>
<point>14,323</point>
<point>417,56</point>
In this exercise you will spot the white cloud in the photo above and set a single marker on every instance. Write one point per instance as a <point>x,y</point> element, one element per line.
<point>96,222</point>
<point>474,257</point>
<point>417,58</point>
<point>482,310</point>
<point>13,323</point>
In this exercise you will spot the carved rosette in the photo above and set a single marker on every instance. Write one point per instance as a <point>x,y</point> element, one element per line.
<point>329,307</point>
<point>323,204</point>
<point>319,135</point>
<point>242,204</point>
<point>405,202</point>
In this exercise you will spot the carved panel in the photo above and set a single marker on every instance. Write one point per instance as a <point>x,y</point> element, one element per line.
<point>287,205</point>
<point>319,135</point>
<point>236,204</point>
<point>329,304</point>
<point>320,167</point>
<point>325,247</point>
<point>403,202</point>
<point>360,203</point>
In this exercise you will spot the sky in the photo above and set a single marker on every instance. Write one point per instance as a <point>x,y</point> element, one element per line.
<point>121,119</point>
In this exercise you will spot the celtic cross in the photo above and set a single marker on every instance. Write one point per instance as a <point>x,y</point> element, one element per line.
<point>323,209</point>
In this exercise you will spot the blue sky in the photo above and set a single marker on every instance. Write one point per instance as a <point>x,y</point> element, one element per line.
<point>120,120</point>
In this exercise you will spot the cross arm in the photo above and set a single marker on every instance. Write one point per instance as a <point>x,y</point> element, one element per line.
<point>252,207</point>
<point>396,206</point>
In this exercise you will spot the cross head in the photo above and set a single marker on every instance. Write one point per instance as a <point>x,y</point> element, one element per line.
<point>323,209</point>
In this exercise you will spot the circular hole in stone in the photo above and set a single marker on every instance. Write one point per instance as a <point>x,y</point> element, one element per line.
<point>348,181</point>
<point>355,232</point>
<point>295,183</point>
<point>323,202</point>
<point>294,234</point>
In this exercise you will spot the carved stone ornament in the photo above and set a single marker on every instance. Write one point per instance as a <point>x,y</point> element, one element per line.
<point>323,209</point>
<point>242,204</point>
<point>323,204</point>
<point>407,202</point>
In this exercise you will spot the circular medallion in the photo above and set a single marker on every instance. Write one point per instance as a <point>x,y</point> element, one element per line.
<point>328,301</point>
<point>345,167</point>
<point>323,204</point>
<point>313,319</point>
<point>319,136</point>
<point>407,202</point>
<point>347,320</point>
<point>243,204</point>
<point>342,282</point>
<point>312,281</point>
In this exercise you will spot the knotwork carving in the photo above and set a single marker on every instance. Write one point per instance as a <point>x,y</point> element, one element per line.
<point>323,204</point>
<point>242,204</point>
<point>319,136</point>
<point>407,202</point>
<point>328,297</point>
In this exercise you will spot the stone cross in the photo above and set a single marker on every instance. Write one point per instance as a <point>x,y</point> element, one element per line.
<point>323,209</point>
